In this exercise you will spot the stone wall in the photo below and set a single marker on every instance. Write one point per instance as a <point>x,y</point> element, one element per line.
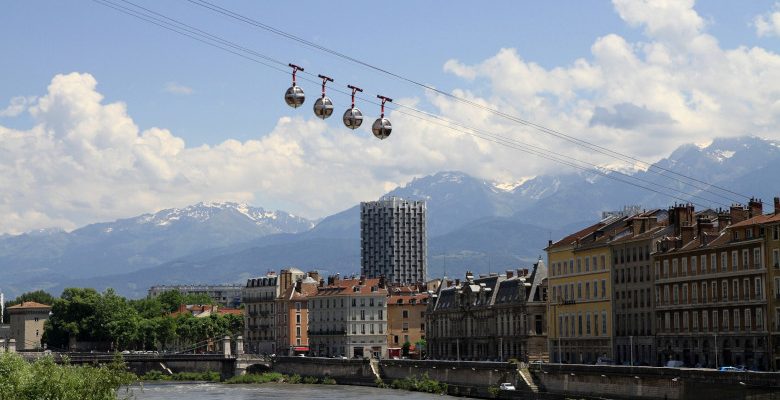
<point>343,371</point>
<point>654,383</point>
<point>452,372</point>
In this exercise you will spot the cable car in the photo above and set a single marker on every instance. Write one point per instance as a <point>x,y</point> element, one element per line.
<point>382,126</point>
<point>353,118</point>
<point>323,107</point>
<point>294,97</point>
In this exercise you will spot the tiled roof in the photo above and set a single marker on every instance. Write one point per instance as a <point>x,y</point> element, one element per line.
<point>28,305</point>
<point>347,287</point>
<point>419,298</point>
<point>761,219</point>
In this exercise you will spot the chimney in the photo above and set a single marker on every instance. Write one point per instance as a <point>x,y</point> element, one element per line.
<point>638,225</point>
<point>298,284</point>
<point>738,213</point>
<point>724,220</point>
<point>704,226</point>
<point>686,234</point>
<point>362,280</point>
<point>336,278</point>
<point>330,280</point>
<point>681,215</point>
<point>314,275</point>
<point>756,207</point>
<point>777,205</point>
<point>381,281</point>
<point>509,274</point>
<point>322,282</point>
<point>469,275</point>
<point>457,282</point>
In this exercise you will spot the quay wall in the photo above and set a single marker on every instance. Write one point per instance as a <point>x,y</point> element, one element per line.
<point>354,372</point>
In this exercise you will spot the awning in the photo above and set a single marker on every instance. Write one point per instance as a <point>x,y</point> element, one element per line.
<point>300,349</point>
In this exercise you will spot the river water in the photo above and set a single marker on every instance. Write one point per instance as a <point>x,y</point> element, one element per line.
<point>215,391</point>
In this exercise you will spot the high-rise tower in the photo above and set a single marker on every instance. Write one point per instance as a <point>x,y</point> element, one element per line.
<point>393,240</point>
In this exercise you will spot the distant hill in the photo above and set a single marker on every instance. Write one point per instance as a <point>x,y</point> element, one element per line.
<point>472,223</point>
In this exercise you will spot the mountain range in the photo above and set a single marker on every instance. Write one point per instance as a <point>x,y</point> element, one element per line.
<point>473,224</point>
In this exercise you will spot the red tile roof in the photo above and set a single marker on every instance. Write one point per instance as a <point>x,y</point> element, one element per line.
<point>28,305</point>
<point>346,287</point>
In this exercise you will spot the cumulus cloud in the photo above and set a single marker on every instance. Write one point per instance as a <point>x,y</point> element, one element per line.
<point>177,88</point>
<point>768,24</point>
<point>84,160</point>
<point>17,106</point>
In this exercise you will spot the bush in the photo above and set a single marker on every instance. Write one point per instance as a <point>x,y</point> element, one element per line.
<point>328,381</point>
<point>294,379</point>
<point>421,384</point>
<point>45,379</point>
<point>155,376</point>
<point>208,376</point>
<point>259,378</point>
<point>310,380</point>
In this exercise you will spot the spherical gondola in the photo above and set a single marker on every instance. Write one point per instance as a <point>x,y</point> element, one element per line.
<point>294,96</point>
<point>323,107</point>
<point>353,118</point>
<point>382,126</point>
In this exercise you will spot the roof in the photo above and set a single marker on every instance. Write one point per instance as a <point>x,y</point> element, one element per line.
<point>419,298</point>
<point>308,289</point>
<point>760,219</point>
<point>352,287</point>
<point>29,305</point>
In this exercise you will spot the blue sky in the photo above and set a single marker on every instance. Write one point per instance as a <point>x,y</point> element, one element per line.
<point>556,67</point>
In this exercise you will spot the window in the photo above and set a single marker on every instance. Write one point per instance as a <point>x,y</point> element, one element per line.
<point>724,290</point>
<point>736,319</point>
<point>758,289</point>
<point>695,293</point>
<point>579,324</point>
<point>579,291</point>
<point>667,298</point>
<point>759,319</point>
<point>571,266</point>
<point>703,266</point>
<point>746,289</point>
<point>735,289</point>
<point>298,319</point>
<point>363,329</point>
<point>363,302</point>
<point>714,285</point>
<point>657,270</point>
<point>713,262</point>
<point>748,320</point>
<point>684,269</point>
<point>603,322</point>
<point>745,259</point>
<point>595,289</point>
<point>675,294</point>
<point>405,326</point>
<point>298,306</point>
<point>725,320</point>
<point>587,264</point>
<point>603,288</point>
<point>685,321</point>
<point>381,314</point>
<point>705,323</point>
<point>362,314</point>
<point>579,265</point>
<point>776,232</point>
<point>587,290</point>
<point>371,302</point>
<point>685,293</point>
<point>603,263</point>
<point>724,261</point>
<point>667,320</point>
<point>665,272</point>
<point>372,329</point>
<point>715,320</point>
<point>677,322</point>
<point>694,267</point>
<point>734,260</point>
<point>405,314</point>
<point>587,324</point>
<point>354,302</point>
<point>675,262</point>
<point>776,258</point>
<point>757,258</point>
<point>704,292</point>
<point>297,331</point>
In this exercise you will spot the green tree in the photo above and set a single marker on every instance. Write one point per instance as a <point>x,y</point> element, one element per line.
<point>405,349</point>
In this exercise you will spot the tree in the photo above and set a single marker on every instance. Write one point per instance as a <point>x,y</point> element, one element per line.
<point>405,348</point>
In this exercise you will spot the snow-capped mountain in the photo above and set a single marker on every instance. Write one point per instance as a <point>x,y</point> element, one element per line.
<point>474,223</point>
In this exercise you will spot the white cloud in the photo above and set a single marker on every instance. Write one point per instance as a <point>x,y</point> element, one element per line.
<point>16,106</point>
<point>85,161</point>
<point>177,88</point>
<point>768,24</point>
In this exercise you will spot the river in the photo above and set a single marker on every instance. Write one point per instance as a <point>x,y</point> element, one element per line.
<point>215,391</point>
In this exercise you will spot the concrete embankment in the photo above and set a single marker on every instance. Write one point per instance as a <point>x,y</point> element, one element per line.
<point>549,381</point>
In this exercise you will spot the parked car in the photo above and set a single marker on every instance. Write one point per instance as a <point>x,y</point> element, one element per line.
<point>604,361</point>
<point>506,386</point>
<point>675,364</point>
<point>727,368</point>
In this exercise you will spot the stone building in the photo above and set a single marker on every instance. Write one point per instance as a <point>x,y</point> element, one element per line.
<point>580,279</point>
<point>633,286</point>
<point>770,225</point>
<point>292,316</point>
<point>259,296</point>
<point>223,295</point>
<point>405,320</point>
<point>27,320</point>
<point>710,284</point>
<point>393,240</point>
<point>486,318</point>
<point>348,317</point>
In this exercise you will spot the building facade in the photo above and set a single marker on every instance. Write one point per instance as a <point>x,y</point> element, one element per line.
<point>633,287</point>
<point>292,316</point>
<point>393,240</point>
<point>27,321</point>
<point>223,295</point>
<point>580,279</point>
<point>710,291</point>
<point>484,318</point>
<point>348,318</point>
<point>405,321</point>
<point>259,297</point>
<point>771,229</point>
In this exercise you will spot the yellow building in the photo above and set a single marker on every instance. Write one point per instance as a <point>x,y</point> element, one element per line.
<point>579,308</point>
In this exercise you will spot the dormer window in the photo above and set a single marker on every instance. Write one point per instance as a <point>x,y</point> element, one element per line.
<point>736,235</point>
<point>748,233</point>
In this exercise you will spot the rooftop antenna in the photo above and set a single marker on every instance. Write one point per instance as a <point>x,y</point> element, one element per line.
<point>444,256</point>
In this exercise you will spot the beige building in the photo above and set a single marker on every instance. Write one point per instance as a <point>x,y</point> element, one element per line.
<point>348,317</point>
<point>292,316</point>
<point>27,320</point>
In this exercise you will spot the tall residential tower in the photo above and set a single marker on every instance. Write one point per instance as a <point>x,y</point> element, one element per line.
<point>393,241</point>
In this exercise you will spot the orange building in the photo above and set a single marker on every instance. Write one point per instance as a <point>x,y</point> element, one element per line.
<point>292,317</point>
<point>405,321</point>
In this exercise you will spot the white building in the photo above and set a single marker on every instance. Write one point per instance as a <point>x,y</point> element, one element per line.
<point>393,240</point>
<point>349,318</point>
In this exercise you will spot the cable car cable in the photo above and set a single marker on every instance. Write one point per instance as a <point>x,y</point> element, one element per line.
<point>508,142</point>
<point>580,142</point>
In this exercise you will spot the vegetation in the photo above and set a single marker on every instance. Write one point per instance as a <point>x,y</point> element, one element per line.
<point>276,377</point>
<point>421,384</point>
<point>145,324</point>
<point>44,379</point>
<point>208,376</point>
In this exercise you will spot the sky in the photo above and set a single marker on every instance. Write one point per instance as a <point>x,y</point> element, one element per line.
<point>105,116</point>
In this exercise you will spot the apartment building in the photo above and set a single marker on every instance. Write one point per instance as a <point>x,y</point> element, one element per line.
<point>292,315</point>
<point>580,308</point>
<point>633,286</point>
<point>393,241</point>
<point>710,290</point>
<point>259,296</point>
<point>487,318</point>
<point>405,320</point>
<point>348,317</point>
<point>223,295</point>
<point>27,323</point>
